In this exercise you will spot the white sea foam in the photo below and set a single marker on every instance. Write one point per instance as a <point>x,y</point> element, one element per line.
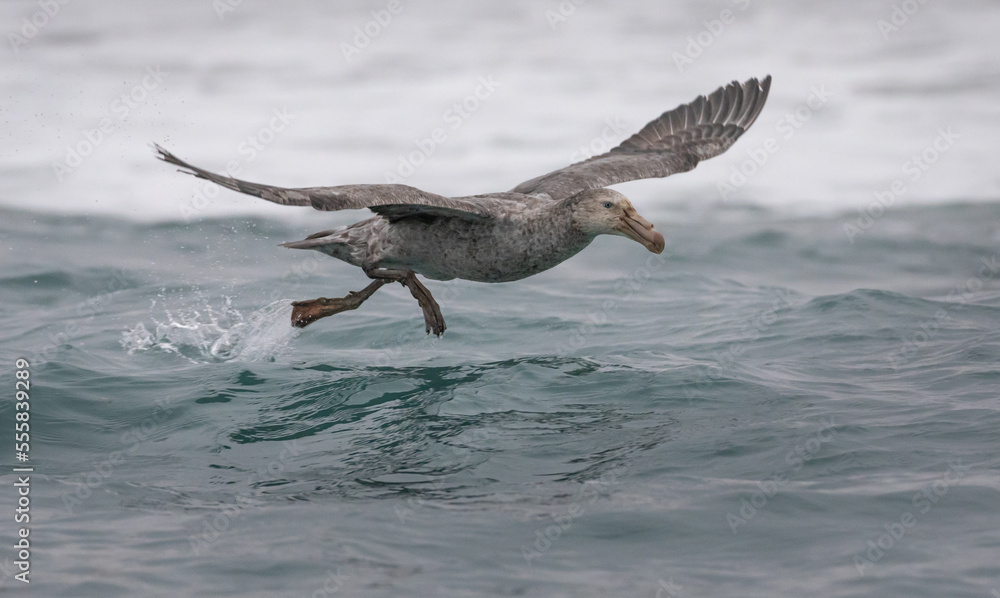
<point>215,332</point>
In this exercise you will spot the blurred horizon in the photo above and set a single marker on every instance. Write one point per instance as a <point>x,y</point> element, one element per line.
<point>864,95</point>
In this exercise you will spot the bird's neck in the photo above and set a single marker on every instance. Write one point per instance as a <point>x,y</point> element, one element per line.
<point>561,219</point>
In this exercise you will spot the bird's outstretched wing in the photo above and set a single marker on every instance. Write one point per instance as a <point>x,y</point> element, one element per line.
<point>674,142</point>
<point>394,201</point>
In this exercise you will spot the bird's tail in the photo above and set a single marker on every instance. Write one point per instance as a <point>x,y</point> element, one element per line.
<point>315,240</point>
<point>330,242</point>
<point>348,243</point>
<point>309,243</point>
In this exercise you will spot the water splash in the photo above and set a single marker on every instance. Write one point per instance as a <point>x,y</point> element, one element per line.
<point>216,333</point>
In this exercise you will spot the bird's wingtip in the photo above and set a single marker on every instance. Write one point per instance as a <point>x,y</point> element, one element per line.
<point>164,155</point>
<point>169,158</point>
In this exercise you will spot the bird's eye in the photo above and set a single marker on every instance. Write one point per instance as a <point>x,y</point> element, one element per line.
<point>608,204</point>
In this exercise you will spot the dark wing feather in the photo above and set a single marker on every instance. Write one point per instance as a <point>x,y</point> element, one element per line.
<point>674,142</point>
<point>343,197</point>
<point>396,212</point>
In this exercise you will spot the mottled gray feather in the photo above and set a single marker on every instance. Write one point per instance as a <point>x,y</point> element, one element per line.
<point>674,142</point>
<point>341,197</point>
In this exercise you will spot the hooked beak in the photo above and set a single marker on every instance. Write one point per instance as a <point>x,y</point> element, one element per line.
<point>640,230</point>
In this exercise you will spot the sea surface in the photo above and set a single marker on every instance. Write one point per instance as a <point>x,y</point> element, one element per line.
<point>799,397</point>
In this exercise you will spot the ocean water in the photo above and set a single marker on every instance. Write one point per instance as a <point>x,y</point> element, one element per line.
<point>799,397</point>
<point>740,416</point>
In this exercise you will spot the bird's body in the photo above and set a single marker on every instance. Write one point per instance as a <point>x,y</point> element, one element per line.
<point>501,237</point>
<point>534,235</point>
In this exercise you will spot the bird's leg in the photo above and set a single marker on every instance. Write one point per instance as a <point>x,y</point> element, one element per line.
<point>433,320</point>
<point>305,313</point>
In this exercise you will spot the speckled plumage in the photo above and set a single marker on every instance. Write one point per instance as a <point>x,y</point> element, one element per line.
<point>515,244</point>
<point>507,236</point>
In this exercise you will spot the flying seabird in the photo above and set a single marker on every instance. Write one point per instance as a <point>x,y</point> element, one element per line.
<point>499,237</point>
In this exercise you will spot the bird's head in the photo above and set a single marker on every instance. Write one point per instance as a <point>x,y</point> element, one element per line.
<point>607,212</point>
